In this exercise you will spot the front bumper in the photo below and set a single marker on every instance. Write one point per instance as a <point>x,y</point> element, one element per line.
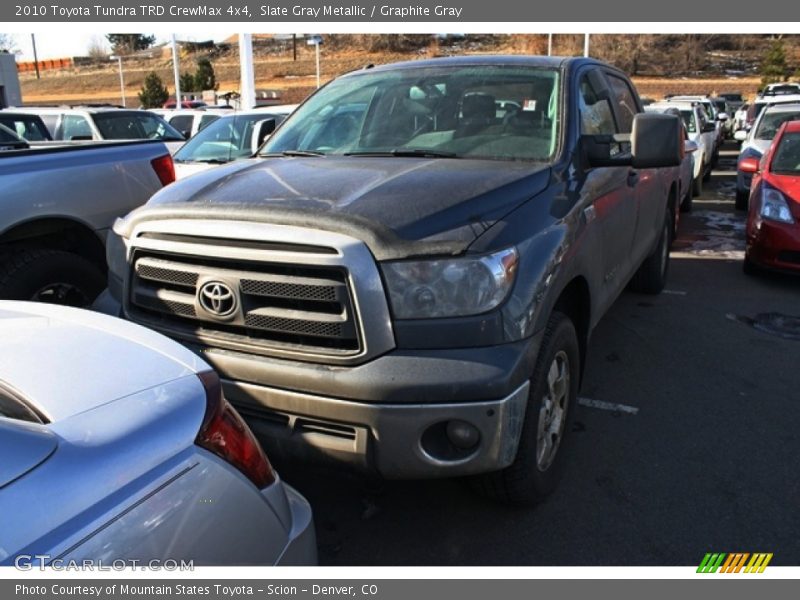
<point>390,415</point>
<point>774,245</point>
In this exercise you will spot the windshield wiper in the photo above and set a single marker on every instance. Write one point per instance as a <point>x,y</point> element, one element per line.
<point>292,153</point>
<point>414,152</point>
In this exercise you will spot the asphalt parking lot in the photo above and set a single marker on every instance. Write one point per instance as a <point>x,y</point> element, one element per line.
<point>699,455</point>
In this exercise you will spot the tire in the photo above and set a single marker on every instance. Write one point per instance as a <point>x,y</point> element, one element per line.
<point>686,203</point>
<point>697,185</point>
<point>652,274</point>
<point>749,267</point>
<point>537,467</point>
<point>707,172</point>
<point>742,199</point>
<point>52,276</point>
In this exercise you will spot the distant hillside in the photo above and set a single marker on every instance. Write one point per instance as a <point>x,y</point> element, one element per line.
<point>660,64</point>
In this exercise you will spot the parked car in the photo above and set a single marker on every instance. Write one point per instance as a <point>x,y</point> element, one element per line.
<point>9,140</point>
<point>760,103</point>
<point>686,171</point>
<point>735,100</point>
<point>407,283</point>
<point>700,131</point>
<point>757,143</point>
<point>713,115</point>
<point>740,118</point>
<point>119,445</point>
<point>773,220</point>
<point>184,104</point>
<point>105,123</point>
<point>56,206</point>
<point>190,120</point>
<point>28,127</point>
<point>233,136</point>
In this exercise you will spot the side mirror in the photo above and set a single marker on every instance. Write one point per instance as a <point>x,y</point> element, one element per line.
<point>723,116</point>
<point>261,131</point>
<point>740,135</point>
<point>749,165</point>
<point>709,128</point>
<point>656,141</point>
<point>689,146</point>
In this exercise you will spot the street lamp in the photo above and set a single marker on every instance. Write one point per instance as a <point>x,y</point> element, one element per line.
<point>121,79</point>
<point>315,40</point>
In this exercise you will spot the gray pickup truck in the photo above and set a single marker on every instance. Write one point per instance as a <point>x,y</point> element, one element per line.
<point>407,279</point>
<point>56,206</point>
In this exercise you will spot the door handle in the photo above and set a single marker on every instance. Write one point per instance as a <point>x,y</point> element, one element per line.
<point>633,177</point>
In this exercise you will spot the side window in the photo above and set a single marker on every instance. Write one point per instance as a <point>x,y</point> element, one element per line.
<point>596,115</point>
<point>207,120</point>
<point>625,102</point>
<point>182,123</point>
<point>75,126</point>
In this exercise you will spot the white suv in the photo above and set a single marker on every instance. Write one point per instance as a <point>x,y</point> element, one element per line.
<point>701,131</point>
<point>105,123</point>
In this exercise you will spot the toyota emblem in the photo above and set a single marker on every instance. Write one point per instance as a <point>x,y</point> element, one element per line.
<point>217,298</point>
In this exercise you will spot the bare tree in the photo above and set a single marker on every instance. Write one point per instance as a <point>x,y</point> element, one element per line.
<point>96,48</point>
<point>8,44</point>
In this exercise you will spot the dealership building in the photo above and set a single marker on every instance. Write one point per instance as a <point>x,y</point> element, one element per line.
<point>10,94</point>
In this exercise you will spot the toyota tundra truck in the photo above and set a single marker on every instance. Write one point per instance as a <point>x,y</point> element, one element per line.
<point>407,277</point>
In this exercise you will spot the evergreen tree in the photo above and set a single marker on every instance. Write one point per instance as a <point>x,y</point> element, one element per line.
<point>204,78</point>
<point>187,82</point>
<point>126,43</point>
<point>154,93</point>
<point>774,68</point>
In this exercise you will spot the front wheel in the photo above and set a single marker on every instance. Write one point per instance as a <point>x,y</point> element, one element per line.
<point>742,199</point>
<point>52,276</point>
<point>538,464</point>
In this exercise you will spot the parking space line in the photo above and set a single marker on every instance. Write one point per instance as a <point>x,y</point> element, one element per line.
<point>612,406</point>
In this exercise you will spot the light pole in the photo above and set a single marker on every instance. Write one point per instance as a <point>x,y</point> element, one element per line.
<point>121,79</point>
<point>176,68</point>
<point>316,40</point>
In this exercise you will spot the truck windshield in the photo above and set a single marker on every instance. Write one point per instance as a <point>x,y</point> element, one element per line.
<point>120,125</point>
<point>486,112</point>
<point>772,121</point>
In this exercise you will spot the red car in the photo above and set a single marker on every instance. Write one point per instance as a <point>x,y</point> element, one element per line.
<point>773,223</point>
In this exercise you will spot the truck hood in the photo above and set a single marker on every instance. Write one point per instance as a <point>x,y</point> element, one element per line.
<point>399,206</point>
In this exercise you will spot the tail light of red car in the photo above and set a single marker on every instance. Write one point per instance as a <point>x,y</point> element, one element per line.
<point>164,168</point>
<point>225,434</point>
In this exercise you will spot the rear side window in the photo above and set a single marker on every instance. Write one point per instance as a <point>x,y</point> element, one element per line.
<point>625,102</point>
<point>182,122</point>
<point>75,126</point>
<point>207,120</point>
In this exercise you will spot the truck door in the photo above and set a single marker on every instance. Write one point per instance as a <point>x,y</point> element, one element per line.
<point>649,185</point>
<point>607,194</point>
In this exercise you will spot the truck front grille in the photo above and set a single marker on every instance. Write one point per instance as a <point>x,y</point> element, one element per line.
<point>237,304</point>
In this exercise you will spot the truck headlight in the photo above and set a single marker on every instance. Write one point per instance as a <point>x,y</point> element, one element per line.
<point>116,254</point>
<point>450,287</point>
<point>774,206</point>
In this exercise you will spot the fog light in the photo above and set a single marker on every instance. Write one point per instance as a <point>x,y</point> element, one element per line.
<point>462,434</point>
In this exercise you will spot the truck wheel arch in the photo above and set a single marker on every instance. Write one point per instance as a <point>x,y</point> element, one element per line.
<point>56,233</point>
<point>575,302</point>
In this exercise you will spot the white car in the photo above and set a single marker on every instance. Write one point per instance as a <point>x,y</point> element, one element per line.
<point>700,131</point>
<point>189,121</point>
<point>232,137</point>
<point>118,445</point>
<point>713,114</point>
